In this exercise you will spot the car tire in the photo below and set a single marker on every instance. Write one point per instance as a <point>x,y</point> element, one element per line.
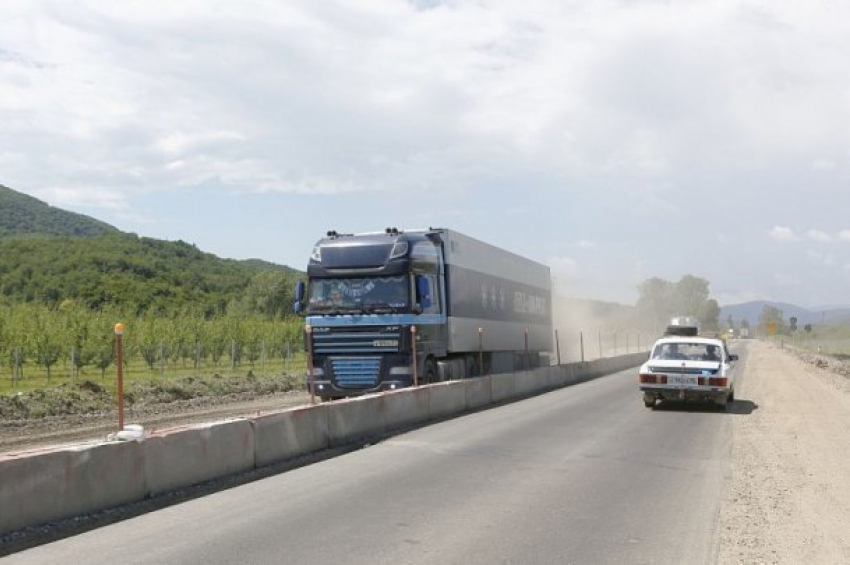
<point>649,402</point>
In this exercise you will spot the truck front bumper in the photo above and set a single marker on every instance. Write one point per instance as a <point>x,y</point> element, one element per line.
<point>327,390</point>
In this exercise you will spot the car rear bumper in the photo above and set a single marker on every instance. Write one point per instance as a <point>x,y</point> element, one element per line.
<point>666,392</point>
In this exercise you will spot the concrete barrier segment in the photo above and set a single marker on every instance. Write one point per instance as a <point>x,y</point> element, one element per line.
<point>353,419</point>
<point>290,433</point>
<point>478,392</point>
<point>406,407</point>
<point>182,457</point>
<point>502,387</point>
<point>447,399</point>
<point>51,485</point>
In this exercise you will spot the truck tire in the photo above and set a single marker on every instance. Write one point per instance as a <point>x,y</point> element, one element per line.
<point>470,367</point>
<point>430,374</point>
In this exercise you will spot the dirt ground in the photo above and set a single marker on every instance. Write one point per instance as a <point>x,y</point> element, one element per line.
<point>90,414</point>
<point>788,497</point>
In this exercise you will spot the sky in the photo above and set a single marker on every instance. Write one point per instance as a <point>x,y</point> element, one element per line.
<point>614,141</point>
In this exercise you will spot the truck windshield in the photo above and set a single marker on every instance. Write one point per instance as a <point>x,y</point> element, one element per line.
<point>367,295</point>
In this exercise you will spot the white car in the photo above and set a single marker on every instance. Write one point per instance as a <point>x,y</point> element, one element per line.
<point>687,367</point>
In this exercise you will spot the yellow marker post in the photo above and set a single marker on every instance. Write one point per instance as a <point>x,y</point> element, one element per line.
<point>119,360</point>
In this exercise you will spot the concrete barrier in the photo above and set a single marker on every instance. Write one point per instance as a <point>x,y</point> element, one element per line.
<point>502,387</point>
<point>54,484</point>
<point>406,407</point>
<point>446,399</point>
<point>181,457</point>
<point>477,392</point>
<point>290,433</point>
<point>353,419</point>
<point>532,382</point>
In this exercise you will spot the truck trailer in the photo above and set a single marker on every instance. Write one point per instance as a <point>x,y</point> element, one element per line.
<point>465,307</point>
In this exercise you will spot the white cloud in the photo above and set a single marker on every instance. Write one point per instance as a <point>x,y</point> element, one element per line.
<point>844,235</point>
<point>782,234</point>
<point>818,235</point>
<point>821,259</point>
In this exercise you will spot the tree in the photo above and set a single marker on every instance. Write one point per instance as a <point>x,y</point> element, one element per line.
<point>659,300</point>
<point>691,294</point>
<point>709,315</point>
<point>654,301</point>
<point>772,317</point>
<point>46,341</point>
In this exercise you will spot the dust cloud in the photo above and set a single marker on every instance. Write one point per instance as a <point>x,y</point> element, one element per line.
<point>590,329</point>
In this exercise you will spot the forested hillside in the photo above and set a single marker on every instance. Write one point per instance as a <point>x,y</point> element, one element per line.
<point>59,259</point>
<point>136,275</point>
<point>24,215</point>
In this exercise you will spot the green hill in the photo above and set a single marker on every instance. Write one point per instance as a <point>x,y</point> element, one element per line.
<point>56,258</point>
<point>24,215</point>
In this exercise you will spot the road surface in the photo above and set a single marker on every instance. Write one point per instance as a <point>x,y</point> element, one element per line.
<point>585,474</point>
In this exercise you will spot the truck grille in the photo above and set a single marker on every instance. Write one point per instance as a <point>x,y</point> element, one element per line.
<point>355,352</point>
<point>356,372</point>
<point>346,341</point>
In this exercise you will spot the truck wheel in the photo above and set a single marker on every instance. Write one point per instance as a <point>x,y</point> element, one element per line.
<point>469,368</point>
<point>430,373</point>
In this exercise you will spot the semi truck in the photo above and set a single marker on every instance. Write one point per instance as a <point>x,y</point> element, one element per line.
<point>385,310</point>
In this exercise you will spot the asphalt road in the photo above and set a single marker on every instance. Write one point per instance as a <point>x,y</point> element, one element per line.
<point>585,474</point>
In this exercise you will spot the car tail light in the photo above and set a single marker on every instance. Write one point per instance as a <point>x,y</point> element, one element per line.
<point>648,378</point>
<point>718,381</point>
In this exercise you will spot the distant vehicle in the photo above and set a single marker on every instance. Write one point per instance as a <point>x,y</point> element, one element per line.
<point>686,366</point>
<point>476,309</point>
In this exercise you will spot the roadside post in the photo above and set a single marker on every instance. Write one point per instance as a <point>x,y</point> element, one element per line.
<point>415,360</point>
<point>600,344</point>
<point>558,347</point>
<point>581,343</point>
<point>119,361</point>
<point>527,355</point>
<point>310,377</point>
<point>480,352</point>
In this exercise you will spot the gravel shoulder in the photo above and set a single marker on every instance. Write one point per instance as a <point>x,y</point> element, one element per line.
<point>788,497</point>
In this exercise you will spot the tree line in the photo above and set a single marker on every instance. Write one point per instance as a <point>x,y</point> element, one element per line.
<point>660,300</point>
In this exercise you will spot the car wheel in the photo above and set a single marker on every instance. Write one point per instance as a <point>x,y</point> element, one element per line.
<point>649,401</point>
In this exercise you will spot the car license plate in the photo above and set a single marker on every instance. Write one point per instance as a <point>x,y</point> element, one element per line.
<point>681,380</point>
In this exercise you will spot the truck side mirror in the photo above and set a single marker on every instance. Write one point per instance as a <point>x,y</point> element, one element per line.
<point>298,305</point>
<point>423,292</point>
